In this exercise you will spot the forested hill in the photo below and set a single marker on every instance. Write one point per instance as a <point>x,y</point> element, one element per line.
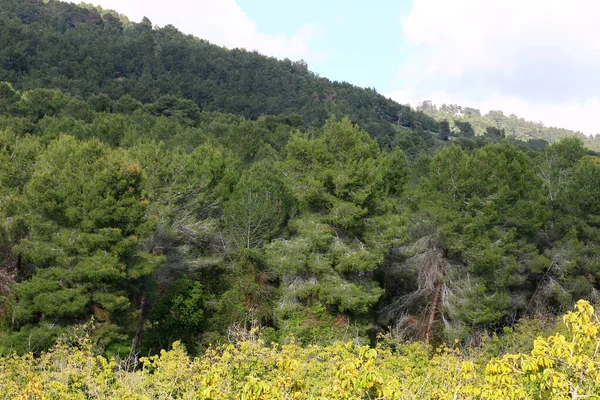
<point>156,188</point>
<point>86,51</point>
<point>460,118</point>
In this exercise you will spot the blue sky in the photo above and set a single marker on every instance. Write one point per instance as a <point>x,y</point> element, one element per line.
<point>363,44</point>
<point>538,59</point>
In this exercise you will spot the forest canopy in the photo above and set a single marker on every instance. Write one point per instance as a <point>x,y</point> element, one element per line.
<point>170,190</point>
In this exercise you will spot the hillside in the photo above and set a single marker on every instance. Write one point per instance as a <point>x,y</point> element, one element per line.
<point>87,51</point>
<point>156,188</point>
<point>515,127</point>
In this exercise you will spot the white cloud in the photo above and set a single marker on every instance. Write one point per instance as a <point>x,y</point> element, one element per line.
<point>221,22</point>
<point>535,58</point>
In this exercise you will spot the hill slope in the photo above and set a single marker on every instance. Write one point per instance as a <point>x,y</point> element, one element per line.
<point>515,127</point>
<point>86,51</point>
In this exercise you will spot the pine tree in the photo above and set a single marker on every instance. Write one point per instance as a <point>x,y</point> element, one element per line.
<point>86,215</point>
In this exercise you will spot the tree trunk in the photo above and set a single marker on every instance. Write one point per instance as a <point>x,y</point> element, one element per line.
<point>435,305</point>
<point>139,333</point>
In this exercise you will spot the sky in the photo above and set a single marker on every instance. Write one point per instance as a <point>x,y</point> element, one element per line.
<point>538,59</point>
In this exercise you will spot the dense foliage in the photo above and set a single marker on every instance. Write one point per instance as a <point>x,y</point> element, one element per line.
<point>171,190</point>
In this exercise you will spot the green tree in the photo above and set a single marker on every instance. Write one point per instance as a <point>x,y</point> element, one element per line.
<point>465,129</point>
<point>472,238</point>
<point>558,160</point>
<point>575,270</point>
<point>177,315</point>
<point>17,158</point>
<point>444,130</point>
<point>186,193</point>
<point>8,97</point>
<point>258,208</point>
<point>86,215</point>
<point>339,238</point>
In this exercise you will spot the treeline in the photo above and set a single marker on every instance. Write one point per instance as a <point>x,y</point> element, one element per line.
<point>470,120</point>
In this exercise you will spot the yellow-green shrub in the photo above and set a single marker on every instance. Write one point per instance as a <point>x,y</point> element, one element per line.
<point>559,366</point>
